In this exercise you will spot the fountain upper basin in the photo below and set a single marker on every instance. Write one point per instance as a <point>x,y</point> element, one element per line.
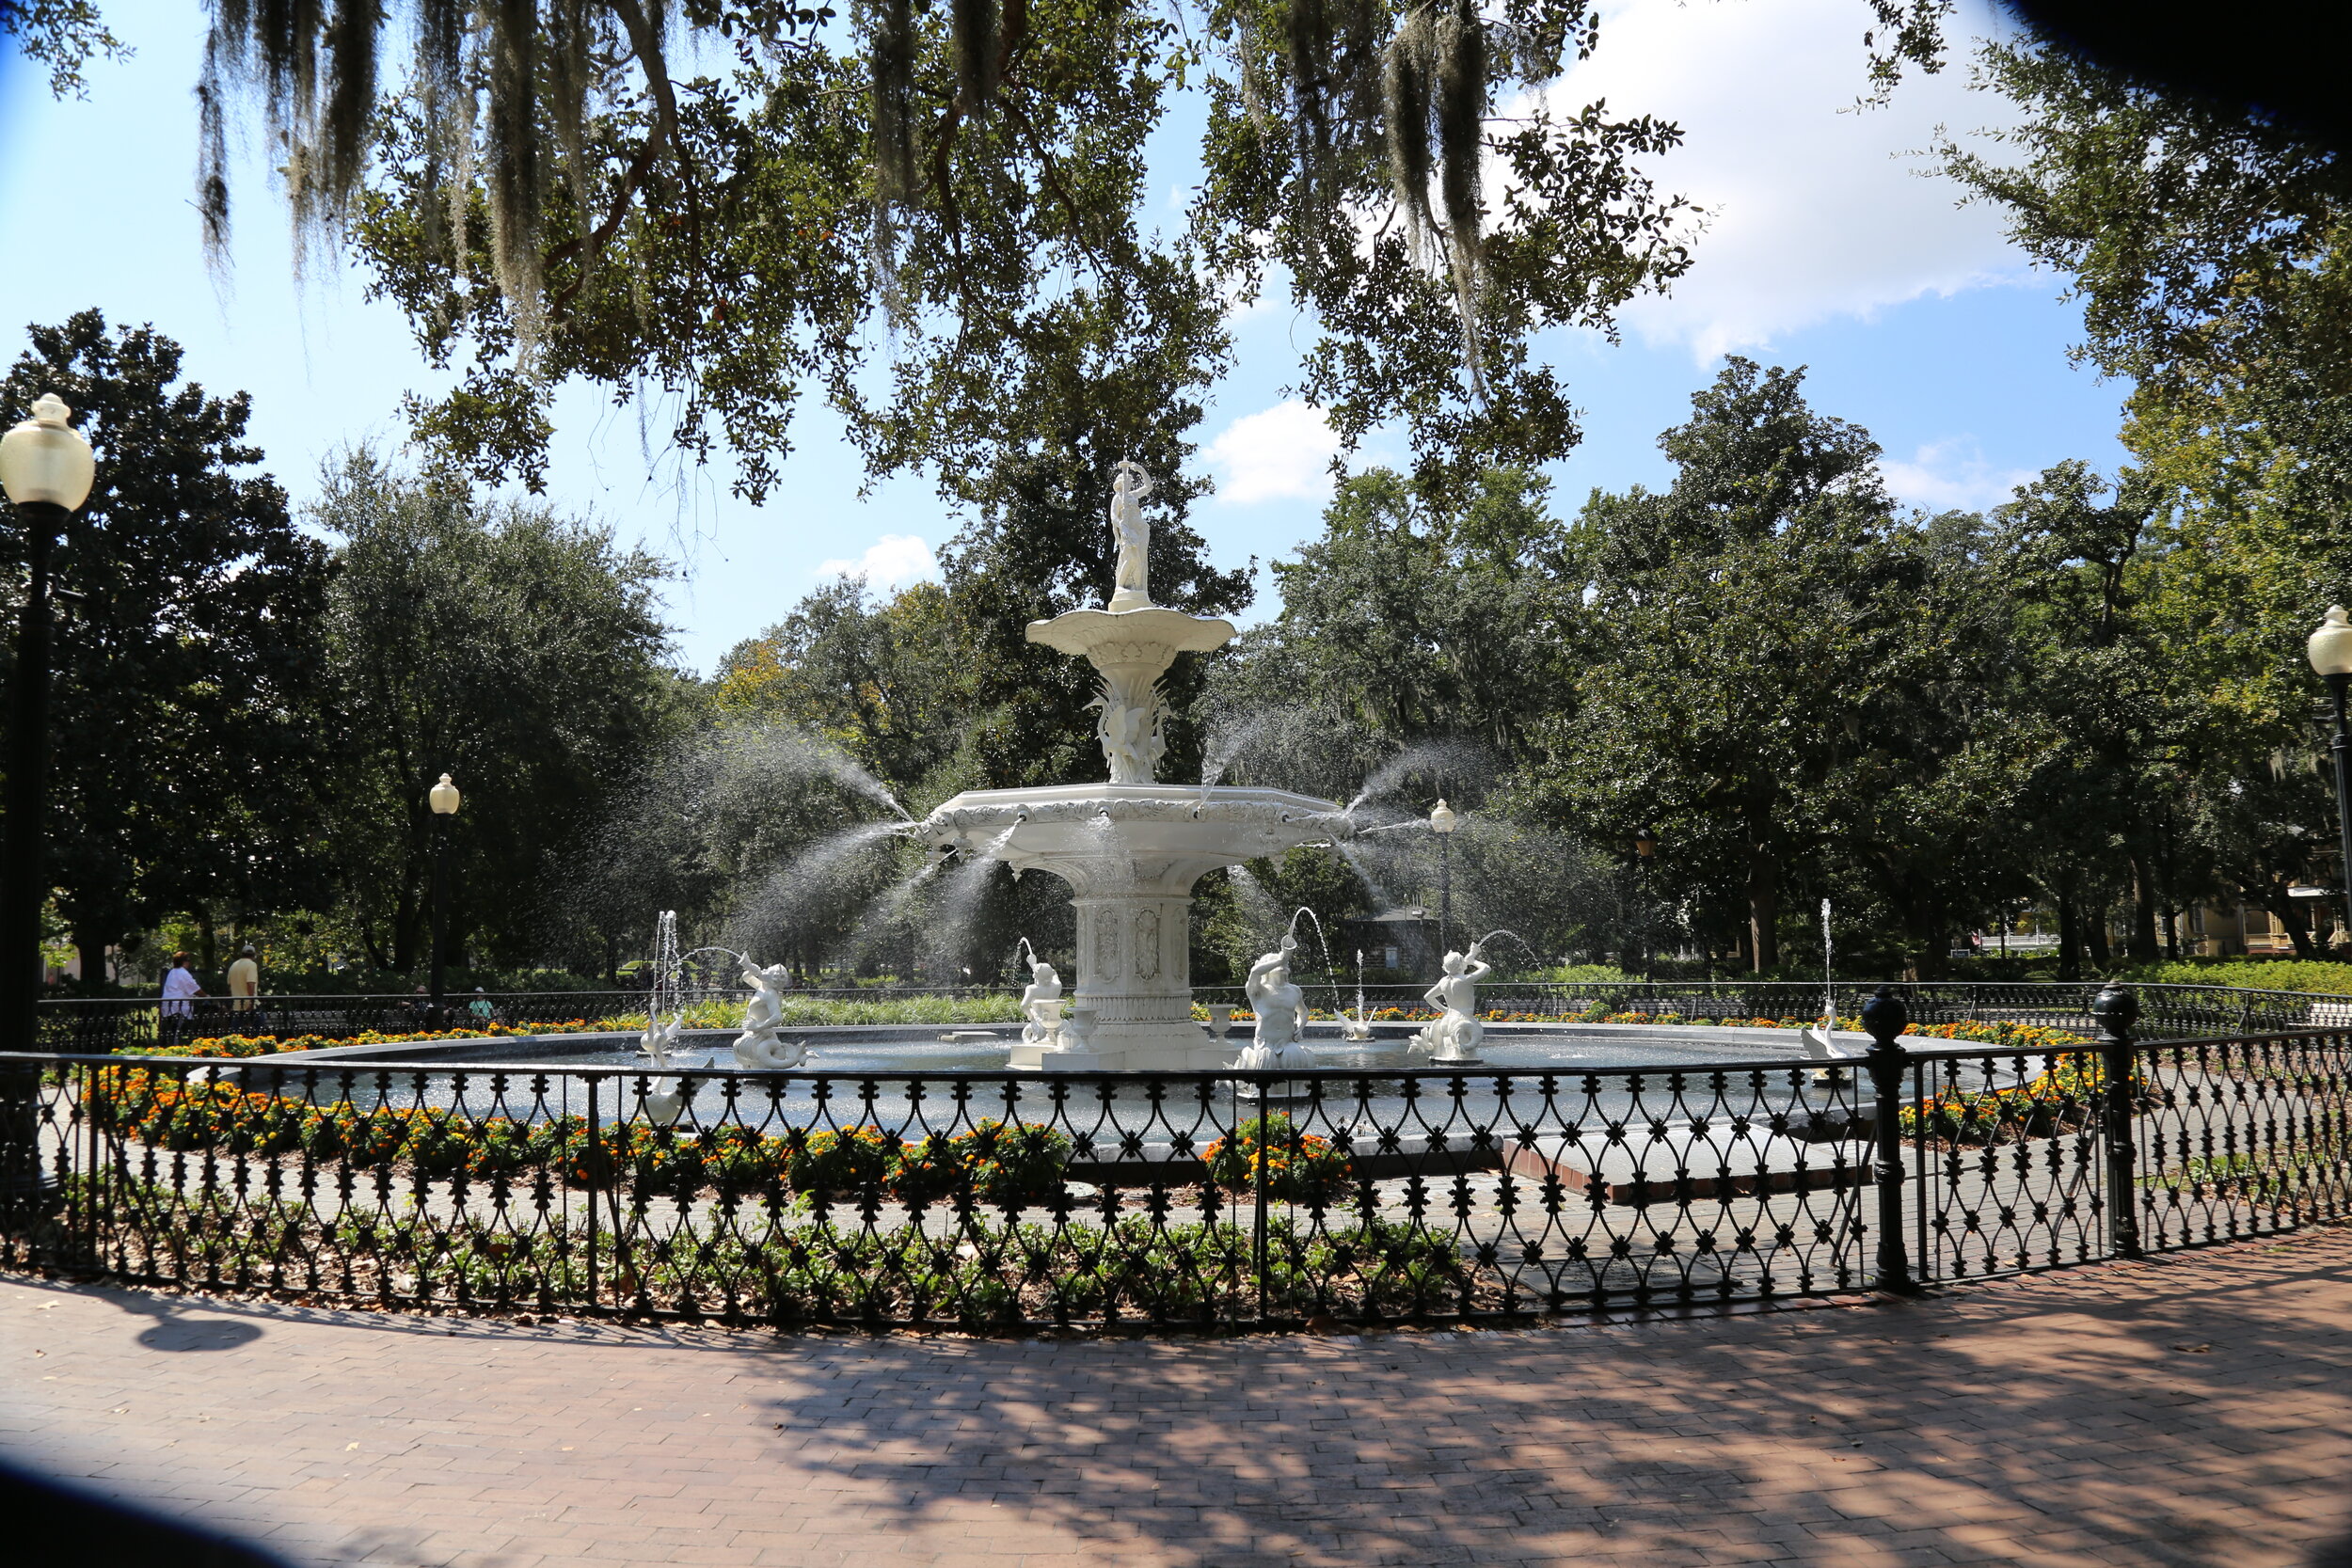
<point>1106,833</point>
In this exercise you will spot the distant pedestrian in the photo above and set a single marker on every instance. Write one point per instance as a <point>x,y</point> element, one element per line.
<point>245,979</point>
<point>479,1007</point>
<point>179,987</point>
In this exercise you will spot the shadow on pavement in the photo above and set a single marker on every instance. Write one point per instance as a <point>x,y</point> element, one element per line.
<point>54,1526</point>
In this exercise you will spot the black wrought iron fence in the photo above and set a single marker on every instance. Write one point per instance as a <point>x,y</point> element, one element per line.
<point>1004,1199</point>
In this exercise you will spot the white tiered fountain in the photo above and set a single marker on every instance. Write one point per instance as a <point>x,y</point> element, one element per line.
<point>1131,849</point>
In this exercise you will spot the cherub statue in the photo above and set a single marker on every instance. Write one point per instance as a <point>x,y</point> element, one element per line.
<point>1041,1006</point>
<point>758,1046</point>
<point>1456,1034</point>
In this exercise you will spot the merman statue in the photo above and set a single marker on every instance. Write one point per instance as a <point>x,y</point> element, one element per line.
<point>1457,1034</point>
<point>1280,1005</point>
<point>1041,1006</point>
<point>758,1046</point>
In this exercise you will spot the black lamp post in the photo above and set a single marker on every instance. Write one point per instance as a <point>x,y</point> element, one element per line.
<point>1644,846</point>
<point>443,797</point>
<point>1443,821</point>
<point>2330,649</point>
<point>47,469</point>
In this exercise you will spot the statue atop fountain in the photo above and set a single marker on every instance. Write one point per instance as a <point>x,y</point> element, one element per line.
<point>758,1045</point>
<point>1131,588</point>
<point>1131,642</point>
<point>1457,1033</point>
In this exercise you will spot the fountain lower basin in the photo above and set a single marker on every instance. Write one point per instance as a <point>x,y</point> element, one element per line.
<point>1131,854</point>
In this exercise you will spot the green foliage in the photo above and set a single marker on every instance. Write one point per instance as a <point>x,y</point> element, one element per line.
<point>1771,667</point>
<point>517,652</point>
<point>2207,247</point>
<point>938,218</point>
<point>1411,619</point>
<point>190,640</point>
<point>61,35</point>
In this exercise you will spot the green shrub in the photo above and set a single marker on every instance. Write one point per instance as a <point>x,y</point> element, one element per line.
<point>2296,974</point>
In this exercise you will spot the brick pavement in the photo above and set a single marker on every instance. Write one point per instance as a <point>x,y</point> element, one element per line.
<point>2191,1410</point>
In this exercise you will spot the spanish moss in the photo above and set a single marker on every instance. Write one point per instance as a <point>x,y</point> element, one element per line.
<point>1404,67</point>
<point>1460,102</point>
<point>511,154</point>
<point>975,23</point>
<point>891,61</point>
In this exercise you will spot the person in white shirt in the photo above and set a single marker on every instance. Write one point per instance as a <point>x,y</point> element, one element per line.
<point>179,986</point>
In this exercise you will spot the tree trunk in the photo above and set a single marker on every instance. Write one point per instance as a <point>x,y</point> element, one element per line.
<point>2069,940</point>
<point>1763,909</point>
<point>92,943</point>
<point>2172,935</point>
<point>2298,930</point>
<point>2095,938</point>
<point>2143,946</point>
<point>406,924</point>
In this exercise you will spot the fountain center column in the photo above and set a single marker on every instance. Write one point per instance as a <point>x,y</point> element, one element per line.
<point>1135,971</point>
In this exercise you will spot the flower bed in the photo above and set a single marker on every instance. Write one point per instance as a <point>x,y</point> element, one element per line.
<point>997,1163</point>
<point>1299,1168</point>
<point>272,1045</point>
<point>2063,1097</point>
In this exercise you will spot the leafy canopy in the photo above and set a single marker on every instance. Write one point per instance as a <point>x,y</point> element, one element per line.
<point>922,210</point>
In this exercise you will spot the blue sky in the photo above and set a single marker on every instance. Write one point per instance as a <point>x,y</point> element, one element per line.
<point>1825,245</point>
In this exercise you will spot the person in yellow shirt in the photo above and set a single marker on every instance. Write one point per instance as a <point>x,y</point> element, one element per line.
<point>245,980</point>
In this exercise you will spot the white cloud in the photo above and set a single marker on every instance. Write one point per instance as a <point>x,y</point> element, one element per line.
<point>1814,210</point>
<point>1277,452</point>
<point>893,560</point>
<point>1951,475</point>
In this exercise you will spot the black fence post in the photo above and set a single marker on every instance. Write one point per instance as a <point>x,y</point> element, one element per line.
<point>590,1161</point>
<point>1886,1017</point>
<point>1258,1221</point>
<point>2117,1009</point>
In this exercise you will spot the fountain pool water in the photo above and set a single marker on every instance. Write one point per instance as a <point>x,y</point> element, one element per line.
<point>885,1072</point>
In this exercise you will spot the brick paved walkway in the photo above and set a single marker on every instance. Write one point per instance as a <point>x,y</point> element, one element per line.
<point>2191,1410</point>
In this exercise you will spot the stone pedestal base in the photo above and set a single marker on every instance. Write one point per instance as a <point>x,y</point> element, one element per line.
<point>1039,1058</point>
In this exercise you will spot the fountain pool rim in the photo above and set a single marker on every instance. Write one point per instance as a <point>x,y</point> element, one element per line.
<point>1757,1048</point>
